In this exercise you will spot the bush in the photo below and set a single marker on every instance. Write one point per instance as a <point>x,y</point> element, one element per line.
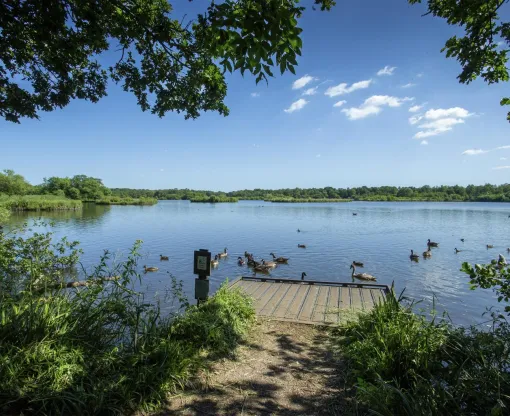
<point>103,348</point>
<point>116,200</point>
<point>38,203</point>
<point>405,364</point>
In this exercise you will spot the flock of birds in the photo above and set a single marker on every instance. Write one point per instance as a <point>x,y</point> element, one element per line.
<point>264,266</point>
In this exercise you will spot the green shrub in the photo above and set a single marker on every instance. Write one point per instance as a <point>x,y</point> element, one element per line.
<point>103,348</point>
<point>38,203</point>
<point>4,215</point>
<point>117,200</point>
<point>405,364</point>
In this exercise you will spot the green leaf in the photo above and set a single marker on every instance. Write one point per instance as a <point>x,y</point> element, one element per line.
<point>291,69</point>
<point>505,101</point>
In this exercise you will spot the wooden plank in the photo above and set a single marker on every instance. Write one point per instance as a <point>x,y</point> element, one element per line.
<point>332,307</point>
<point>356,299</point>
<point>345,298</point>
<point>295,306</point>
<point>377,295</point>
<point>251,288</point>
<point>286,301</point>
<point>259,290</point>
<point>274,299</point>
<point>321,304</point>
<point>309,304</point>
<point>246,286</point>
<point>368,302</point>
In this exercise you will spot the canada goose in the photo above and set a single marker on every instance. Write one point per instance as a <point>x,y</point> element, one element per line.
<point>150,269</point>
<point>462,239</point>
<point>457,251</point>
<point>240,261</point>
<point>301,246</point>
<point>432,244</point>
<point>414,256</point>
<point>161,257</point>
<point>246,254</point>
<point>358,263</point>
<point>427,253</point>
<point>303,275</point>
<point>279,259</point>
<point>361,276</point>
<point>271,264</point>
<point>215,262</point>
<point>490,246</point>
<point>501,260</point>
<point>262,268</point>
<point>224,254</point>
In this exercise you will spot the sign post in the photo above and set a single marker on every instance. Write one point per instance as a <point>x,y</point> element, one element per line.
<point>202,268</point>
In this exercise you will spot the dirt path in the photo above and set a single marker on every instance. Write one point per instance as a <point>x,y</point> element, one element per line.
<point>282,369</point>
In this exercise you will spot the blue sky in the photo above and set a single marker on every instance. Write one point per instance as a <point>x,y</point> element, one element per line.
<point>381,58</point>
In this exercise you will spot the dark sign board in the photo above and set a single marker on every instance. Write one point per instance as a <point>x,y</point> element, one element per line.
<point>202,263</point>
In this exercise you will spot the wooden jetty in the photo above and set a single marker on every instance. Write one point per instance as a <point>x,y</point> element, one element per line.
<point>309,301</point>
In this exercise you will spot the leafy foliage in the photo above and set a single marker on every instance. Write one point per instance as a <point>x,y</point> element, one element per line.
<point>491,276</point>
<point>102,349</point>
<point>116,200</point>
<point>4,215</point>
<point>38,203</point>
<point>478,50</point>
<point>487,193</point>
<point>12,183</point>
<point>408,364</point>
<point>81,187</point>
<point>169,65</point>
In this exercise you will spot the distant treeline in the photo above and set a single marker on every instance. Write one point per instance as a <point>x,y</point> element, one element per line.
<point>482,193</point>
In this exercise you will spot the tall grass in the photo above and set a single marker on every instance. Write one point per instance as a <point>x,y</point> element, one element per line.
<point>103,349</point>
<point>38,203</point>
<point>214,199</point>
<point>298,200</point>
<point>408,364</point>
<point>117,200</point>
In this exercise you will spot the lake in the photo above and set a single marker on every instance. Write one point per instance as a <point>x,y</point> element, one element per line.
<point>381,236</point>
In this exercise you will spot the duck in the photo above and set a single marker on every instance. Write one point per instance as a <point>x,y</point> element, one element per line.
<point>271,264</point>
<point>354,213</point>
<point>490,246</point>
<point>224,254</point>
<point>215,262</point>
<point>262,268</point>
<point>150,269</point>
<point>279,259</point>
<point>358,263</point>
<point>414,256</point>
<point>298,230</point>
<point>361,276</point>
<point>247,255</point>
<point>462,239</point>
<point>240,261</point>
<point>301,246</point>
<point>427,253</point>
<point>303,275</point>
<point>456,251</point>
<point>161,257</point>
<point>432,244</point>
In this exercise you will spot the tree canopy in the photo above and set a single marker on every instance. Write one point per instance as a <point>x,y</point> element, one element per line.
<point>50,52</point>
<point>80,187</point>
<point>12,183</point>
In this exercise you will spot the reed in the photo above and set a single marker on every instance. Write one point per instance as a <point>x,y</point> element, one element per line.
<point>409,364</point>
<point>38,203</point>
<point>116,200</point>
<point>101,348</point>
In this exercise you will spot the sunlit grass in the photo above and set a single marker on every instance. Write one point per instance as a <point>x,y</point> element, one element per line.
<point>38,203</point>
<point>117,200</point>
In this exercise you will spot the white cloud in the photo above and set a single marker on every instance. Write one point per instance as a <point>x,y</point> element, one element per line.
<point>311,91</point>
<point>408,85</point>
<point>416,108</point>
<point>442,124</point>
<point>428,133</point>
<point>373,105</point>
<point>424,142</point>
<point>415,119</point>
<point>473,152</point>
<point>255,94</point>
<point>459,112</point>
<point>501,167</point>
<point>387,70</point>
<point>343,88</point>
<point>303,81</point>
<point>296,105</point>
<point>339,103</point>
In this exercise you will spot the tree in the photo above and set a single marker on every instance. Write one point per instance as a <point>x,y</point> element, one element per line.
<point>13,184</point>
<point>478,51</point>
<point>49,51</point>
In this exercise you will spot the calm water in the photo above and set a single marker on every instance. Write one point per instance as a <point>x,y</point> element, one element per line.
<point>381,236</point>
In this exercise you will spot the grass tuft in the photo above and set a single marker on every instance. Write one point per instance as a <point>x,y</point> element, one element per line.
<point>38,203</point>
